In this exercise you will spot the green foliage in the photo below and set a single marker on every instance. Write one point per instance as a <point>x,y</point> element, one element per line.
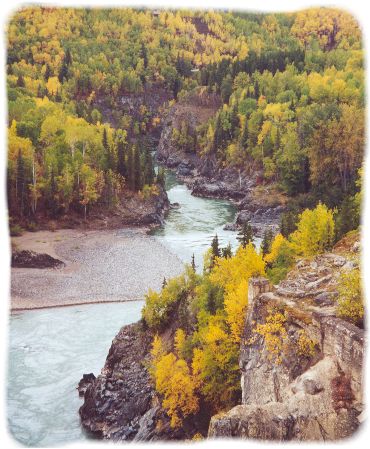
<point>350,305</point>
<point>280,260</point>
<point>245,234</point>
<point>16,230</point>
<point>266,241</point>
<point>315,231</point>
<point>159,306</point>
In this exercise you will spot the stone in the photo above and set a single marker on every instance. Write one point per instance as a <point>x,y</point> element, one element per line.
<point>312,387</point>
<point>31,259</point>
<point>326,298</point>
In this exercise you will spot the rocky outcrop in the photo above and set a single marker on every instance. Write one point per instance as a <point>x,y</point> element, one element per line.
<point>205,177</point>
<point>31,259</point>
<point>303,381</point>
<point>121,403</point>
<point>195,109</point>
<point>132,210</point>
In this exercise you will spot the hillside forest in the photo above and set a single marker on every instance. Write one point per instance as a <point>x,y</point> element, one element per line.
<point>291,92</point>
<point>291,88</point>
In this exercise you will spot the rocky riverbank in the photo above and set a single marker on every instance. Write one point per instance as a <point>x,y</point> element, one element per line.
<point>313,392</point>
<point>206,179</point>
<point>121,403</point>
<point>133,209</point>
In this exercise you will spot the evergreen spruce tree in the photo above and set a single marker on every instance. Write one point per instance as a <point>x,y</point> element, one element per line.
<point>63,73</point>
<point>144,55</point>
<point>39,91</point>
<point>256,90</point>
<point>20,81</point>
<point>288,223</point>
<point>148,168</point>
<point>245,234</point>
<point>107,150</point>
<point>227,252</point>
<point>68,57</point>
<point>131,169</point>
<point>266,242</point>
<point>161,177</point>
<point>47,73</point>
<point>121,164</point>
<point>53,205</point>
<point>215,250</point>
<point>164,282</point>
<point>176,87</point>
<point>20,182</point>
<point>244,135</point>
<point>137,169</point>
<point>58,97</point>
<point>218,134</point>
<point>234,120</point>
<point>193,266</point>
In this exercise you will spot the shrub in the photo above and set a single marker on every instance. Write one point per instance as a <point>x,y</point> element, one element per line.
<point>350,305</point>
<point>32,226</point>
<point>159,306</point>
<point>16,230</point>
<point>281,259</point>
<point>305,346</point>
<point>275,335</point>
<point>315,231</point>
<point>173,380</point>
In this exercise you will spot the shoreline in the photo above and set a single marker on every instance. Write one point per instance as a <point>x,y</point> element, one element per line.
<point>109,301</point>
<point>102,266</point>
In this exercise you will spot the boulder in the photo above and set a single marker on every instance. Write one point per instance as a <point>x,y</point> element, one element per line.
<point>31,259</point>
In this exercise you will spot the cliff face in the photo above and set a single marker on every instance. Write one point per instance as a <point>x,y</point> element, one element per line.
<point>301,367</point>
<point>121,403</point>
<point>206,178</point>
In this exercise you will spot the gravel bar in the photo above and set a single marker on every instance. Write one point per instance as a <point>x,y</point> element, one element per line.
<point>101,266</point>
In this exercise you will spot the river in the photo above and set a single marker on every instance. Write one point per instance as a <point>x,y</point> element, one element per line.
<point>50,349</point>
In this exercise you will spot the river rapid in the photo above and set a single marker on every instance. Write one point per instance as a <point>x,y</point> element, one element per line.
<point>50,349</point>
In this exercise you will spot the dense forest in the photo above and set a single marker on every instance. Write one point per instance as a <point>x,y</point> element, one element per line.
<point>291,87</point>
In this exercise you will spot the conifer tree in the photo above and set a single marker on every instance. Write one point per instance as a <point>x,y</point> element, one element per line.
<point>227,251</point>
<point>193,266</point>
<point>245,234</point>
<point>137,169</point>
<point>266,242</point>
<point>161,177</point>
<point>63,72</point>
<point>52,194</point>
<point>20,81</point>
<point>20,181</point>
<point>68,57</point>
<point>244,135</point>
<point>148,168</point>
<point>215,248</point>
<point>47,73</point>
<point>121,164</point>
<point>131,168</point>
<point>234,120</point>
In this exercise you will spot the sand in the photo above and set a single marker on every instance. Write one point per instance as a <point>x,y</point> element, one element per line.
<point>101,266</point>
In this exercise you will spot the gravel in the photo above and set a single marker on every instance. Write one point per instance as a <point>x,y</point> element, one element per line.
<point>101,266</point>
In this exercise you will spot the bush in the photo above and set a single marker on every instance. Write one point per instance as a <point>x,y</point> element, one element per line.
<point>350,305</point>
<point>159,306</point>
<point>315,231</point>
<point>32,226</point>
<point>280,259</point>
<point>16,230</point>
